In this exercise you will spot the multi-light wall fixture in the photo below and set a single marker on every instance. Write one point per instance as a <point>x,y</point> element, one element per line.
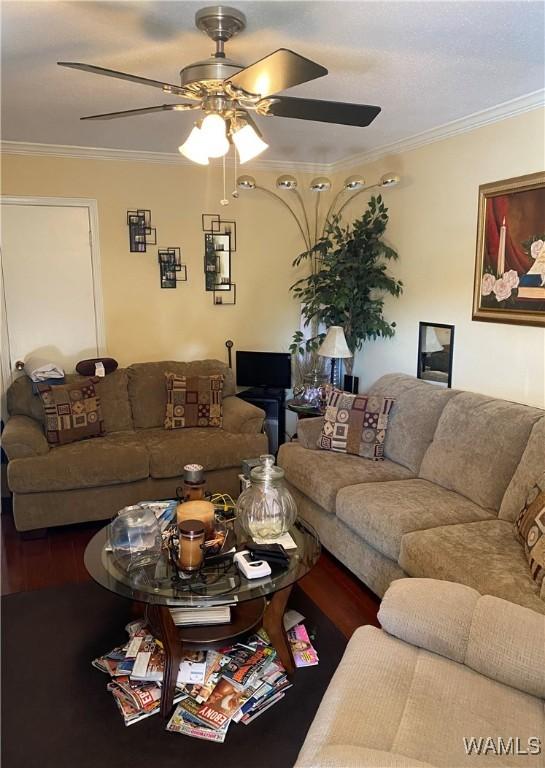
<point>311,231</point>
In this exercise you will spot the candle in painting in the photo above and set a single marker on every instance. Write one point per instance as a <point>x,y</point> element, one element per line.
<point>501,249</point>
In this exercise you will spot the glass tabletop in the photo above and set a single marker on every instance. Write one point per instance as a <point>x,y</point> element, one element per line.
<point>215,584</point>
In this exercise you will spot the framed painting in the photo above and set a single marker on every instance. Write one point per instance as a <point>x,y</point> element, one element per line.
<point>510,260</point>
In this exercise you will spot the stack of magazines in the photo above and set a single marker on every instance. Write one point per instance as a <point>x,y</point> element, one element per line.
<point>235,684</point>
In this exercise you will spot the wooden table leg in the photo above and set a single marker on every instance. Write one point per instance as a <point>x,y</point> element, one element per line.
<point>168,634</point>
<point>273,624</point>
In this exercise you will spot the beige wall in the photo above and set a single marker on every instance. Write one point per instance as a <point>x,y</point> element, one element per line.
<point>433,226</point>
<point>433,216</point>
<point>143,321</point>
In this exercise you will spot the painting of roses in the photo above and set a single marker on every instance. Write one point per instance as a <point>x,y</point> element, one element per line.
<point>510,261</point>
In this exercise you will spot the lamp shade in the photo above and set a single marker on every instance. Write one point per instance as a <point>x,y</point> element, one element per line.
<point>334,344</point>
<point>194,148</point>
<point>430,342</point>
<point>248,143</point>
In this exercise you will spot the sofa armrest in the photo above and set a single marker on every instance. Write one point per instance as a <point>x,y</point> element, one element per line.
<point>23,437</point>
<point>308,431</point>
<point>498,639</point>
<point>240,416</point>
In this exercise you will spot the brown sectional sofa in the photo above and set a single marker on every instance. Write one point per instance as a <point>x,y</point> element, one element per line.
<point>457,470</point>
<point>136,459</point>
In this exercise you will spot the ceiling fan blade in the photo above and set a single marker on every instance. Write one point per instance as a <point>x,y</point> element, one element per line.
<point>142,111</point>
<point>337,112</point>
<point>177,90</point>
<point>280,70</point>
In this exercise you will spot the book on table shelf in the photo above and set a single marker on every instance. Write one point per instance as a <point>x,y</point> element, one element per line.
<point>235,684</point>
<point>187,617</point>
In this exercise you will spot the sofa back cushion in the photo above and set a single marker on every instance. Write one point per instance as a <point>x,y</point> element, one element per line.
<point>112,390</point>
<point>148,394</point>
<point>413,418</point>
<point>530,468</point>
<point>477,446</point>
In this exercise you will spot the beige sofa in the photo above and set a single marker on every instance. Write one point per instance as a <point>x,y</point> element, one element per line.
<point>136,459</point>
<point>447,665</point>
<point>457,471</point>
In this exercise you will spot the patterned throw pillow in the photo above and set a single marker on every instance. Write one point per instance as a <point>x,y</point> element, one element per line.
<point>530,526</point>
<point>194,401</point>
<point>72,411</point>
<point>356,424</point>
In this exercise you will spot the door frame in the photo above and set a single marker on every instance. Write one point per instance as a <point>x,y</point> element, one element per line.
<point>94,243</point>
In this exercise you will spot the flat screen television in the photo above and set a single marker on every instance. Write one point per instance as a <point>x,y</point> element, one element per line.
<point>264,369</point>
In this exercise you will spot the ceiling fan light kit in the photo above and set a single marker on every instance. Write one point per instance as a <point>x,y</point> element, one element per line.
<point>227,92</point>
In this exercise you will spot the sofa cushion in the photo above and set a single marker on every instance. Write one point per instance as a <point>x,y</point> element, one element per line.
<point>530,526</point>
<point>147,392</point>
<point>72,411</point>
<point>112,390</point>
<point>530,468</point>
<point>386,695</point>
<point>88,464</point>
<point>382,513</point>
<point>484,555</point>
<point>355,424</point>
<point>170,450</point>
<point>413,419</point>
<point>477,446</point>
<point>321,474</point>
<point>194,401</point>
<point>497,638</point>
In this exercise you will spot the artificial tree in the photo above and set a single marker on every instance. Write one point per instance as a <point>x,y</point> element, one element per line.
<point>348,281</point>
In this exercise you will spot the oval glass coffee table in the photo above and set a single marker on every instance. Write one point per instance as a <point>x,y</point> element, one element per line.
<point>254,603</point>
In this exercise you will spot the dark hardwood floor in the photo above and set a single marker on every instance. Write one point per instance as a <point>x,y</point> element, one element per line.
<point>58,559</point>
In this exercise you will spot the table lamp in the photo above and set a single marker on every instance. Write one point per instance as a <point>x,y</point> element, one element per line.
<point>429,343</point>
<point>334,346</point>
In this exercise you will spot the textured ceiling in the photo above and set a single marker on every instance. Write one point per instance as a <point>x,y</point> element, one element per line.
<point>425,63</point>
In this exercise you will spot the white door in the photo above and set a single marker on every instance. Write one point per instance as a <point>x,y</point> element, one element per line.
<point>51,283</point>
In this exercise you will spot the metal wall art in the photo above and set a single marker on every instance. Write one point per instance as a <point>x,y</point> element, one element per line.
<point>141,233</point>
<point>219,243</point>
<point>171,267</point>
<point>226,297</point>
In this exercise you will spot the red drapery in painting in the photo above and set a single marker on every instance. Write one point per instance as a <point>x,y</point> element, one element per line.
<point>515,258</point>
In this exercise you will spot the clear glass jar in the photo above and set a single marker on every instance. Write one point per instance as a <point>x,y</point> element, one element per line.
<point>135,537</point>
<point>314,388</point>
<point>266,509</point>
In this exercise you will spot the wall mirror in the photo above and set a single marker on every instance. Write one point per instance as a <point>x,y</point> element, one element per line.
<point>217,261</point>
<point>435,349</point>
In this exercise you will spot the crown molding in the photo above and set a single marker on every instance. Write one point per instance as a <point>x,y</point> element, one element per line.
<point>494,114</point>
<point>131,155</point>
<point>507,109</point>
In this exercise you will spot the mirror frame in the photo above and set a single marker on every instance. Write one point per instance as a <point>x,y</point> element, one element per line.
<point>419,371</point>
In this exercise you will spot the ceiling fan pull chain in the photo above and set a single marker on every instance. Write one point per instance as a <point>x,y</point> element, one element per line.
<point>224,201</point>
<point>234,193</point>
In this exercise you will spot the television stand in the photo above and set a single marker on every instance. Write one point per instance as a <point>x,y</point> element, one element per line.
<point>273,401</point>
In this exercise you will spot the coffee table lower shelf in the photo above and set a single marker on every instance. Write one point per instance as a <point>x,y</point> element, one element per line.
<point>246,617</point>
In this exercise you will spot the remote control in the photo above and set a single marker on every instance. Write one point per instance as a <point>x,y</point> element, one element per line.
<point>252,569</point>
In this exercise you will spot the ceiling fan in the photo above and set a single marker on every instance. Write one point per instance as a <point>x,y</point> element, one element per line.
<point>227,93</point>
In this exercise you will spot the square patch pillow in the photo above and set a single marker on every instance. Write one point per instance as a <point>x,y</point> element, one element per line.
<point>356,424</point>
<point>530,526</point>
<point>194,401</point>
<point>72,411</point>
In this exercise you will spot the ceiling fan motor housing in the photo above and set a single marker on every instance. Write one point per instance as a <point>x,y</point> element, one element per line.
<point>220,23</point>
